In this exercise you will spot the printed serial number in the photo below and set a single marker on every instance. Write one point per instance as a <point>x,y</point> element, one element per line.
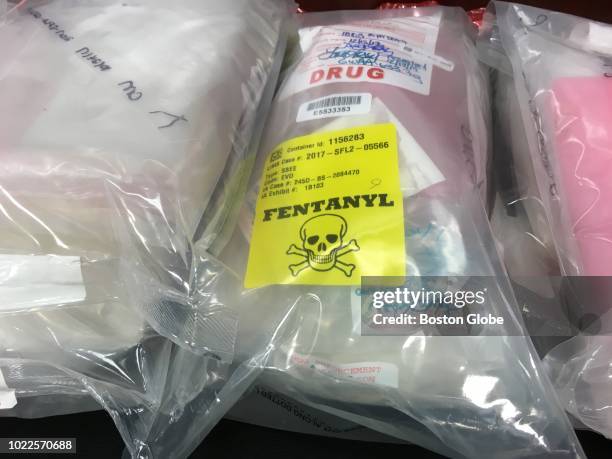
<point>328,111</point>
<point>375,146</point>
<point>315,155</point>
<point>344,173</point>
<point>22,445</point>
<point>342,150</point>
<point>346,138</point>
<point>314,186</point>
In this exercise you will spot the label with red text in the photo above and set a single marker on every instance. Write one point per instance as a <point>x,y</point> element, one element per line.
<point>378,373</point>
<point>374,51</point>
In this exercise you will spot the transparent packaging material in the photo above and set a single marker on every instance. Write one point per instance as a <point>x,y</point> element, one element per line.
<point>128,132</point>
<point>110,158</point>
<point>409,80</point>
<point>518,218</point>
<point>266,407</point>
<point>554,86</point>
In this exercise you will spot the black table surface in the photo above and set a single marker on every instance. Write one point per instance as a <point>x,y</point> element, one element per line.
<point>97,437</point>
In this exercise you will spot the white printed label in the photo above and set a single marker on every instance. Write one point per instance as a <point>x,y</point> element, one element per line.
<point>7,396</point>
<point>374,51</point>
<point>34,281</point>
<point>433,59</point>
<point>380,373</point>
<point>335,105</point>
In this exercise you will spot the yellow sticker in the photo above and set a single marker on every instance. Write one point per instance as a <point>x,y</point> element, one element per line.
<point>329,210</point>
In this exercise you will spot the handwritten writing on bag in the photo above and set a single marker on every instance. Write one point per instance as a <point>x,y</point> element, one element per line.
<point>393,51</point>
<point>52,25</point>
<point>88,55</point>
<point>128,87</point>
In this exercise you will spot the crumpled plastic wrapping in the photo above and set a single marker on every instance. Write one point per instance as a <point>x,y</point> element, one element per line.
<point>554,87</point>
<point>266,407</point>
<point>456,395</point>
<point>96,189</point>
<point>127,132</point>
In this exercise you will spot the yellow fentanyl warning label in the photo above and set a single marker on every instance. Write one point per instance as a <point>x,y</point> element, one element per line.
<point>329,210</point>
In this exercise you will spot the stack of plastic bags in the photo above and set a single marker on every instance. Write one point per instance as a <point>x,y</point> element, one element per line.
<point>556,69</point>
<point>127,128</point>
<point>384,82</point>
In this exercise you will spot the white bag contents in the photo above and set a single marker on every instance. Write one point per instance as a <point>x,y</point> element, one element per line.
<point>98,135</point>
<point>127,131</point>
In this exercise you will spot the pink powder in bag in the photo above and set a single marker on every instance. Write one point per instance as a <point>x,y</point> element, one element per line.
<point>582,109</point>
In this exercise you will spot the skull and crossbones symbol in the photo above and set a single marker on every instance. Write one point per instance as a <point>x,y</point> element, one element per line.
<point>322,244</point>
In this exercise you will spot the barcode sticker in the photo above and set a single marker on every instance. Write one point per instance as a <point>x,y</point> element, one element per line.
<point>335,105</point>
